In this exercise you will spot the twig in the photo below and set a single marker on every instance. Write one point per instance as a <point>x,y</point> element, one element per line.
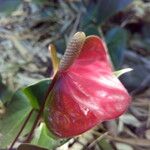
<point>131,141</point>
<point>137,58</point>
<point>22,50</point>
<point>148,119</point>
<point>98,139</point>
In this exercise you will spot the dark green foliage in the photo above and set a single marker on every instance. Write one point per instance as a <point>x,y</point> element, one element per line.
<point>116,40</point>
<point>7,6</point>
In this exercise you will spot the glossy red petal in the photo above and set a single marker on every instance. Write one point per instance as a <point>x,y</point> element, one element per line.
<point>87,93</point>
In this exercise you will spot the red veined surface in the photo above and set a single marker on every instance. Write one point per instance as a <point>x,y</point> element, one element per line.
<point>85,94</point>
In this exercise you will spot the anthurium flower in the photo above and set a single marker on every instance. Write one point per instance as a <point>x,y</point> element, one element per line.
<point>85,91</point>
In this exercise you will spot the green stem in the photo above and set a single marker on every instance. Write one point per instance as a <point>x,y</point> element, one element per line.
<point>41,110</point>
<point>22,127</point>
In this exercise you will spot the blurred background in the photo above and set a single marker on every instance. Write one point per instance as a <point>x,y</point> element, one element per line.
<point>27,27</point>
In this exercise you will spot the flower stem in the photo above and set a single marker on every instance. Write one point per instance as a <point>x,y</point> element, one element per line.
<point>22,127</point>
<point>41,110</point>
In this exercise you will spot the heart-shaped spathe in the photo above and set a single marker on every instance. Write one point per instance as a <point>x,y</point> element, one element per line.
<point>85,94</point>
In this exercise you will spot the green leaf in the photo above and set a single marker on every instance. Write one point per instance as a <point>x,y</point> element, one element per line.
<point>7,6</point>
<point>100,10</point>
<point>36,92</point>
<point>45,139</point>
<point>39,2</point>
<point>122,71</point>
<point>116,40</point>
<point>18,108</point>
<point>91,29</point>
<point>10,123</point>
<point>107,8</point>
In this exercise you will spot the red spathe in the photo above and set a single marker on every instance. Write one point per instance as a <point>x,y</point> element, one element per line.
<point>87,93</point>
